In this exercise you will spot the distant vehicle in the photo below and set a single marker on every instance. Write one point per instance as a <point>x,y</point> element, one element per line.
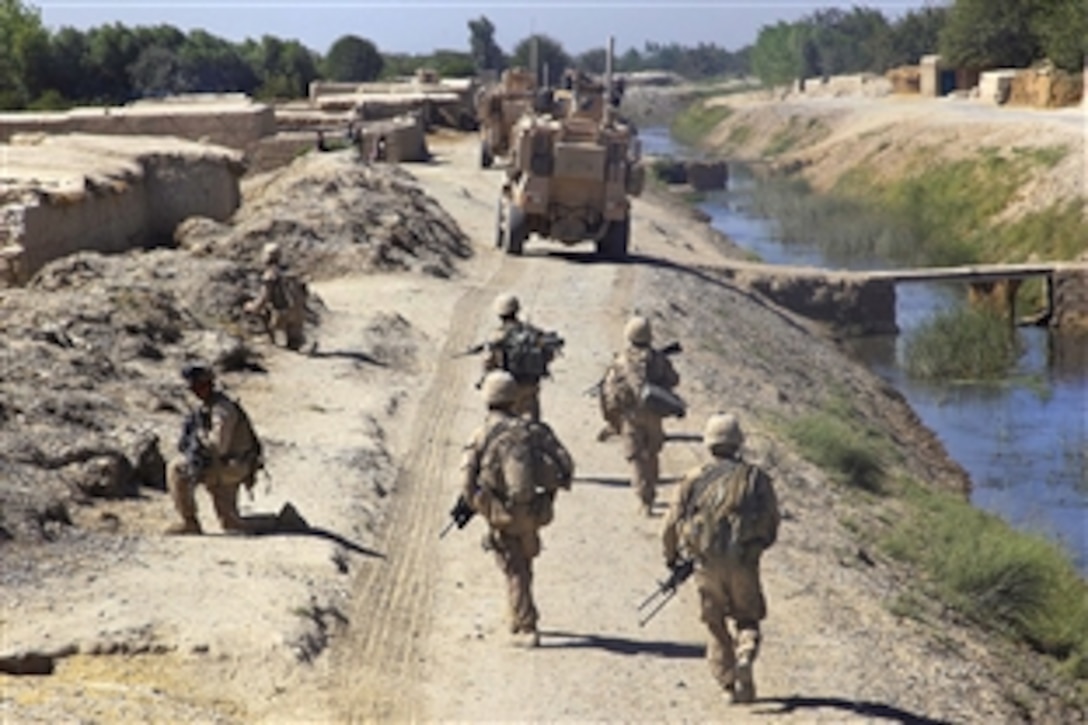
<point>499,107</point>
<point>572,170</point>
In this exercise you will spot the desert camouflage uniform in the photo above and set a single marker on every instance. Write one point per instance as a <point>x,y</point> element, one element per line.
<point>229,439</point>
<point>728,583</point>
<point>641,431</point>
<point>513,529</point>
<point>527,402</point>
<point>275,307</point>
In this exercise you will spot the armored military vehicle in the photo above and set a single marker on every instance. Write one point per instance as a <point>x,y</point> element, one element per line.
<point>499,107</point>
<point>571,171</point>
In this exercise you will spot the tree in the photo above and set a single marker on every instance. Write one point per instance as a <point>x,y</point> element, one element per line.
<point>550,57</point>
<point>24,54</point>
<point>214,65</point>
<point>778,54</point>
<point>284,69</point>
<point>916,34</point>
<point>159,71</point>
<point>1062,29</point>
<point>351,58</point>
<point>486,53</point>
<point>990,34</point>
<point>451,63</point>
<point>592,61</point>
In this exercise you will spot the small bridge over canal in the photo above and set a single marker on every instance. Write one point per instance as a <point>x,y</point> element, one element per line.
<point>864,301</point>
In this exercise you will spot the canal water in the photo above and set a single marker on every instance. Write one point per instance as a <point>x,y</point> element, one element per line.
<point>1023,441</point>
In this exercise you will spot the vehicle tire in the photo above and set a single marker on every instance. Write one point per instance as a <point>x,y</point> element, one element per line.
<point>615,241</point>
<point>486,157</point>
<point>515,231</point>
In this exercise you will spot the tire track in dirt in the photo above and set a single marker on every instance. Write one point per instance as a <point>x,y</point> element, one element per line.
<point>378,667</point>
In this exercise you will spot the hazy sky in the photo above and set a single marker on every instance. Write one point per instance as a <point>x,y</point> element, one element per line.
<point>419,26</point>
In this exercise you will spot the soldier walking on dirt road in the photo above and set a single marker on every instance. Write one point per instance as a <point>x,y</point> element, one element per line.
<point>219,449</point>
<point>512,469</point>
<point>624,407</point>
<point>724,516</point>
<point>281,303</point>
<point>522,350</point>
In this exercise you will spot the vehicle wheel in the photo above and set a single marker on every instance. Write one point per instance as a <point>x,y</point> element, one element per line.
<point>486,157</point>
<point>615,241</point>
<point>515,230</point>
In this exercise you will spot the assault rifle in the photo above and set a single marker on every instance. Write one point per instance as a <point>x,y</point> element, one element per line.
<point>666,590</point>
<point>196,455</point>
<point>474,350</point>
<point>460,515</point>
<point>671,349</point>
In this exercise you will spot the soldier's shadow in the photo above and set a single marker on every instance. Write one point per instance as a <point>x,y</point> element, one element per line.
<point>290,523</point>
<point>618,481</point>
<point>875,710</point>
<point>620,645</point>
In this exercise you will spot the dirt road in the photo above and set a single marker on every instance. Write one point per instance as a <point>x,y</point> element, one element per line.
<point>379,620</point>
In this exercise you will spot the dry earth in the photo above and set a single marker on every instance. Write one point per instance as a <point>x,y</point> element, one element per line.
<point>369,616</point>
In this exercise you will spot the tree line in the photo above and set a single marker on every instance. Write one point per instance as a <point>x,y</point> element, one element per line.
<point>977,34</point>
<point>114,63</point>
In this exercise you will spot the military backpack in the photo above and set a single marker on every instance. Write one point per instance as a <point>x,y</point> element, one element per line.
<point>732,506</point>
<point>527,352</point>
<point>520,452</point>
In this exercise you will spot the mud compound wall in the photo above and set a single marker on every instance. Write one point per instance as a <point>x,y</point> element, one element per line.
<point>235,125</point>
<point>108,195</point>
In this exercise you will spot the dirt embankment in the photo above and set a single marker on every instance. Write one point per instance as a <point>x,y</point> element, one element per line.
<point>370,616</point>
<point>825,139</point>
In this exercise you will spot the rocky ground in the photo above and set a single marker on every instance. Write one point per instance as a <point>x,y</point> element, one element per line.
<point>368,615</point>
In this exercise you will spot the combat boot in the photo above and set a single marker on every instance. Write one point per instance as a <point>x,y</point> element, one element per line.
<point>188,527</point>
<point>525,639</point>
<point>744,686</point>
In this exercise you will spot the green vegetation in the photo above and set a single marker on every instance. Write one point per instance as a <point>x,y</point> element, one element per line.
<point>697,121</point>
<point>1019,584</point>
<point>971,33</point>
<point>833,441</point>
<point>964,344</point>
<point>945,210</point>
<point>738,135</point>
<point>798,132</point>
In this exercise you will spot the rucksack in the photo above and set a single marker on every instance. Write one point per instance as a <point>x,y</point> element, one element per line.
<point>288,292</point>
<point>732,505</point>
<point>527,352</point>
<point>521,450</point>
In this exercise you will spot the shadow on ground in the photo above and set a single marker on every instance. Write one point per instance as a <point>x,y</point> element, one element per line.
<point>288,522</point>
<point>619,645</point>
<point>875,710</point>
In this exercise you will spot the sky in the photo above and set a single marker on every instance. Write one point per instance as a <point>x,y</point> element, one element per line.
<point>421,26</point>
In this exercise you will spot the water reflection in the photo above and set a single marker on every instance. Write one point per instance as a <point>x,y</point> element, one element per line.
<point>1024,441</point>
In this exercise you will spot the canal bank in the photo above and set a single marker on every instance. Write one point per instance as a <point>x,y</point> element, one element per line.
<point>1023,439</point>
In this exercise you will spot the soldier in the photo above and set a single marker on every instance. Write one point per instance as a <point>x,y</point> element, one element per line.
<point>511,472</point>
<point>621,397</point>
<point>519,348</point>
<point>221,451</point>
<point>281,303</point>
<point>724,516</point>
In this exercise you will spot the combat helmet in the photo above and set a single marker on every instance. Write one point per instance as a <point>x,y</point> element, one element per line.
<point>270,253</point>
<point>723,431</point>
<point>197,373</point>
<point>506,305</point>
<point>499,388</point>
<point>638,331</point>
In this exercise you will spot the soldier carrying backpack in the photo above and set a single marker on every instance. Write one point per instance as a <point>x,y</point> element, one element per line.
<point>511,472</point>
<point>281,303</point>
<point>522,350</point>
<point>724,516</point>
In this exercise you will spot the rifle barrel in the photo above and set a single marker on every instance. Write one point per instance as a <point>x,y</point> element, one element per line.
<point>446,530</point>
